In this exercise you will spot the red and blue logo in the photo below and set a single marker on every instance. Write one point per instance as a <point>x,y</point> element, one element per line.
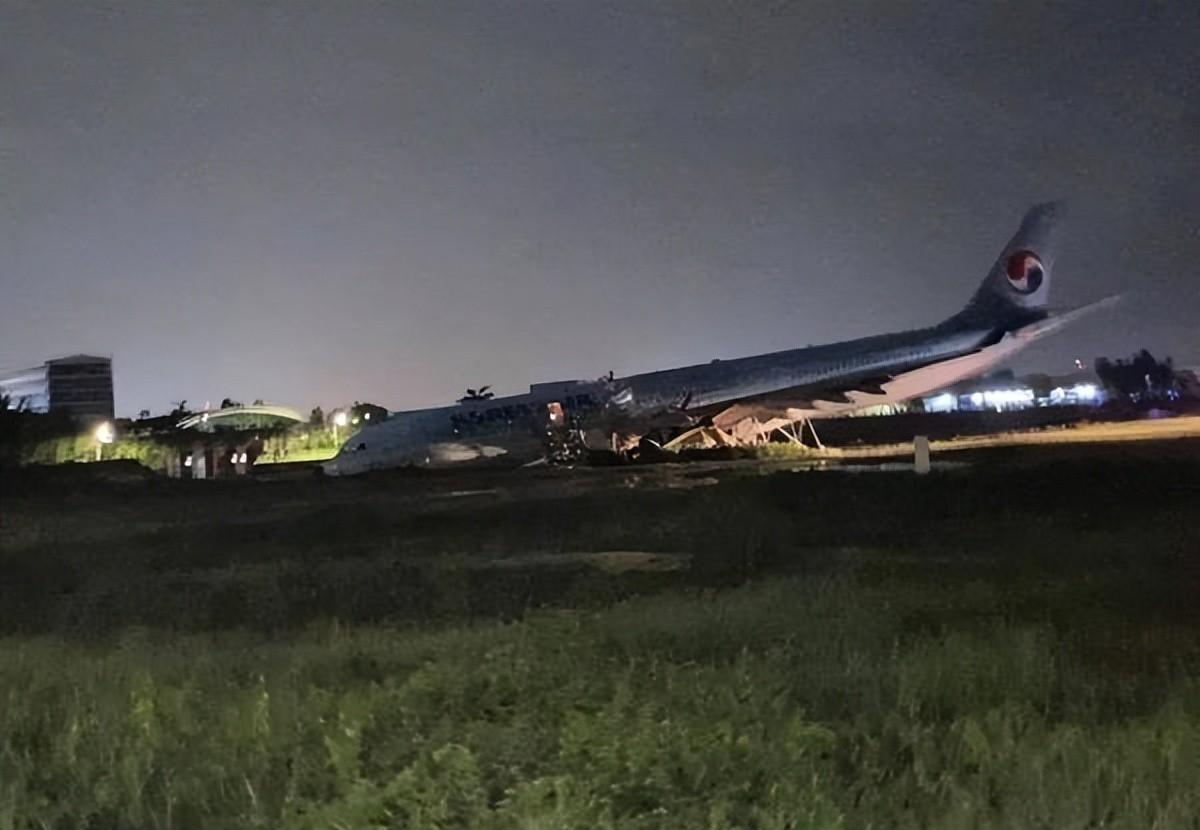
<point>1025,271</point>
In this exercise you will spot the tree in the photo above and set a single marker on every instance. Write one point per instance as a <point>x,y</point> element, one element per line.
<point>316,418</point>
<point>1140,378</point>
<point>480,394</point>
<point>229,403</point>
<point>23,434</point>
<point>1040,383</point>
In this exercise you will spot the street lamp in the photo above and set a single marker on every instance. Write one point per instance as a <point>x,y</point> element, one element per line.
<point>104,434</point>
<point>339,420</point>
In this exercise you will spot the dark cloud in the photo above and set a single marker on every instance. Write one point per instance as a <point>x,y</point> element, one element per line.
<point>322,202</point>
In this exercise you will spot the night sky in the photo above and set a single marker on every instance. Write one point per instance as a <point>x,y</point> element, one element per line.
<point>322,202</point>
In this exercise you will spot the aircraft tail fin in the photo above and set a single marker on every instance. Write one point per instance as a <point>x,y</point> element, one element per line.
<point>1018,285</point>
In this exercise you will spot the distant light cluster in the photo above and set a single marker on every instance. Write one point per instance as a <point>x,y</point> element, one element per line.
<point>1021,397</point>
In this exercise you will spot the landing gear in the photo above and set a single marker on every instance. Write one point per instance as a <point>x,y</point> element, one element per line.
<point>650,448</point>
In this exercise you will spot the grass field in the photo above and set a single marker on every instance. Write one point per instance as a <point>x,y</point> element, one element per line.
<point>1014,643</point>
<point>302,455</point>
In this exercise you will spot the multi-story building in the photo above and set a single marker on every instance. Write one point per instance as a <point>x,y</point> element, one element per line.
<point>80,386</point>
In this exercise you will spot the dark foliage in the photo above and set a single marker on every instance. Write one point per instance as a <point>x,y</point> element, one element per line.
<point>1140,378</point>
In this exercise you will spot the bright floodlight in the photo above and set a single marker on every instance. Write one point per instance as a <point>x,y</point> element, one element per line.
<point>105,433</point>
<point>340,419</point>
<point>945,402</point>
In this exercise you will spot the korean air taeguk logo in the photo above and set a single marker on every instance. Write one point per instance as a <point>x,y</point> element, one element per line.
<point>1025,271</point>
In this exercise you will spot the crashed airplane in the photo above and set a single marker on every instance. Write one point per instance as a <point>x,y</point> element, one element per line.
<point>743,398</point>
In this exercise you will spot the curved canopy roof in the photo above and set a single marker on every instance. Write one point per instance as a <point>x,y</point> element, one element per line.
<point>242,417</point>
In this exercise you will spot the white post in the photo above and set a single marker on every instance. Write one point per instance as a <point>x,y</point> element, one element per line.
<point>920,454</point>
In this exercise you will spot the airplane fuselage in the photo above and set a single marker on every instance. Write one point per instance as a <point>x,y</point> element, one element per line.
<point>515,427</point>
<point>757,392</point>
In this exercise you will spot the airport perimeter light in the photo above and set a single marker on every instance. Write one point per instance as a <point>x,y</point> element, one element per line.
<point>104,434</point>
<point>339,420</point>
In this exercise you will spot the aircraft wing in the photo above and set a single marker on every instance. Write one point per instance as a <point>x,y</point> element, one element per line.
<point>833,398</point>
